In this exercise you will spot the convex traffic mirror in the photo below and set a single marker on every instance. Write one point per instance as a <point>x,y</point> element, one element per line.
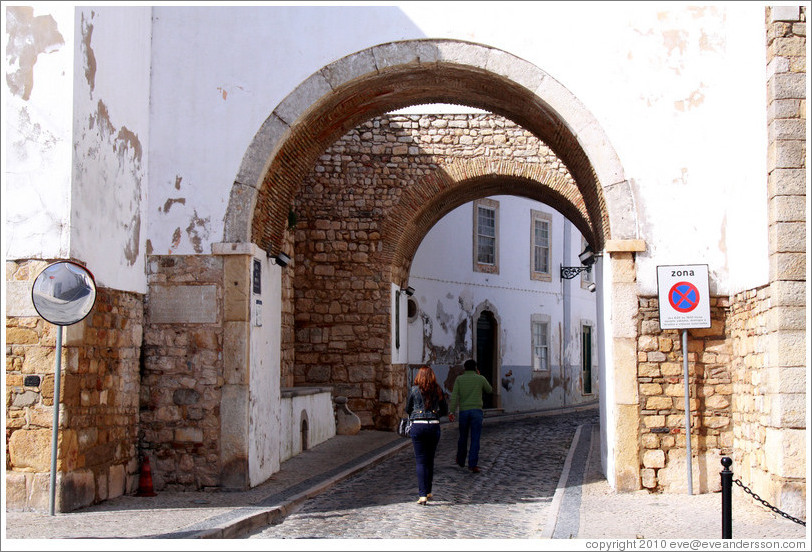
<point>64,293</point>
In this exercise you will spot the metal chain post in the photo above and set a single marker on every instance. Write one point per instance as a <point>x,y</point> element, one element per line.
<point>727,503</point>
<point>727,510</point>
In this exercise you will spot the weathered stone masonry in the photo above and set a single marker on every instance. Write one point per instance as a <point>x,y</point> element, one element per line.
<point>98,457</point>
<point>662,398</point>
<point>386,167</point>
<point>784,388</point>
<point>182,375</point>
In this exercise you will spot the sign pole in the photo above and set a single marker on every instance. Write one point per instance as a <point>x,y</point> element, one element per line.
<point>63,294</point>
<point>683,295</point>
<point>688,456</point>
<point>55,430</point>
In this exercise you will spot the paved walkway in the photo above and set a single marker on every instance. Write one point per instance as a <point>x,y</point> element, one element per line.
<point>540,480</point>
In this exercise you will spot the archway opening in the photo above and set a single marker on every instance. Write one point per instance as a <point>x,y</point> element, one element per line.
<point>486,346</point>
<point>339,97</point>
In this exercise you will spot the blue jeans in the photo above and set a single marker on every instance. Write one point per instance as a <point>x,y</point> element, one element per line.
<point>470,422</point>
<point>425,438</point>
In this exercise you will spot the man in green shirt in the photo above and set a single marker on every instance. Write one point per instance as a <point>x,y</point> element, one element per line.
<point>467,395</point>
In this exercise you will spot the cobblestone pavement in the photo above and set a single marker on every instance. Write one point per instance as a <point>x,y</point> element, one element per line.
<point>521,464</point>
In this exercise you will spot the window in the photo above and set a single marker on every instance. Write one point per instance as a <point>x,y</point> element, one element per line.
<point>540,239</point>
<point>486,236</point>
<point>586,358</point>
<point>541,343</point>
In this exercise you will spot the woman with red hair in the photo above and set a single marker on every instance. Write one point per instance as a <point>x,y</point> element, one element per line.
<point>425,406</point>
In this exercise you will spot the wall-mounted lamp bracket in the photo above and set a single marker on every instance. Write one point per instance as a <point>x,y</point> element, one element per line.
<point>570,272</point>
<point>280,259</point>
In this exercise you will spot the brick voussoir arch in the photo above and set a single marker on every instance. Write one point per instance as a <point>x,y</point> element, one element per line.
<point>463,180</point>
<point>368,83</point>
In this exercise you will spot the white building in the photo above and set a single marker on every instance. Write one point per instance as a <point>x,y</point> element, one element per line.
<point>488,285</point>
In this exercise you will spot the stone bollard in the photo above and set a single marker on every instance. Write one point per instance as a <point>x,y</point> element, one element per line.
<point>347,422</point>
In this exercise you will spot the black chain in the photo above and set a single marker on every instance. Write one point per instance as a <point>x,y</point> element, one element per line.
<point>767,504</point>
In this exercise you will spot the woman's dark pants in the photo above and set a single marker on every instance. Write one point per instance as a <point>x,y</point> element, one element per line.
<point>425,438</point>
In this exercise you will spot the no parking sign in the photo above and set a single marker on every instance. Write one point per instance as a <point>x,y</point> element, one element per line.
<point>684,297</point>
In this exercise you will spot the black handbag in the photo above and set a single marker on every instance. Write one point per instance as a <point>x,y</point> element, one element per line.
<point>404,426</point>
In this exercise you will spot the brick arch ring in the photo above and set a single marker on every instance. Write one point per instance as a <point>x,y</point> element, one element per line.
<point>420,207</point>
<point>357,87</point>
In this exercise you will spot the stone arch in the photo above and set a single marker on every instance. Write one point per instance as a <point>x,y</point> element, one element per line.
<point>454,184</point>
<point>343,94</point>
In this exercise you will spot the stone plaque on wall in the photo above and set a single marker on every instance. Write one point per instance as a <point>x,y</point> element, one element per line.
<point>183,304</point>
<point>18,299</point>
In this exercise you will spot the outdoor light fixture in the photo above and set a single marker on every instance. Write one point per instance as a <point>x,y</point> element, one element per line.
<point>587,258</point>
<point>409,291</point>
<point>281,259</point>
<point>591,287</point>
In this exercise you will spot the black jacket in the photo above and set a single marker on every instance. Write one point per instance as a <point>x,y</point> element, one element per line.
<point>416,408</point>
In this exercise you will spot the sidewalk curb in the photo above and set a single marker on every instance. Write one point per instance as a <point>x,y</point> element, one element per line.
<point>272,515</point>
<point>558,497</point>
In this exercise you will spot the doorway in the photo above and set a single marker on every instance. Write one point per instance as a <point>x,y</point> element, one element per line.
<point>486,347</point>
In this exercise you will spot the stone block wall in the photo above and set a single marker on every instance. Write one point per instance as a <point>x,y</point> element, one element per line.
<point>342,282</point>
<point>98,423</point>
<point>786,362</point>
<point>182,372</point>
<point>288,345</point>
<point>748,329</point>
<point>662,399</point>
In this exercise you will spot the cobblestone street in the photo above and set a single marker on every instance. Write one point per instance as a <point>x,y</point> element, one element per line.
<point>521,463</point>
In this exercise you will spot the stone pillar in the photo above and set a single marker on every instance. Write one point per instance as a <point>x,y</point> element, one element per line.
<point>624,362</point>
<point>785,398</point>
<point>234,402</point>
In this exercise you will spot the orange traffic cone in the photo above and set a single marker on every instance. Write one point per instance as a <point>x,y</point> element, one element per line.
<point>145,480</point>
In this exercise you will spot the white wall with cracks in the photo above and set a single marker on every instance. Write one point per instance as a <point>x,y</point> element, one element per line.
<point>78,125</point>
<point>111,142</point>
<point>176,94</point>
<point>37,125</point>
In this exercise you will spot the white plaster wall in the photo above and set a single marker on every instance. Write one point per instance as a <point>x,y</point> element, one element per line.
<point>36,130</point>
<point>265,436</point>
<point>678,89</point>
<point>111,141</point>
<point>320,417</point>
<point>449,292</point>
<point>218,72</point>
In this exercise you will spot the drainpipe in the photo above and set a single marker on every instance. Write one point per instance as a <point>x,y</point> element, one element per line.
<point>567,312</point>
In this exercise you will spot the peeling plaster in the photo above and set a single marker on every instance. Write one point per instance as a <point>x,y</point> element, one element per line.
<point>438,354</point>
<point>196,225</point>
<point>176,235</point>
<point>128,140</point>
<point>670,46</point>
<point>178,180</point>
<point>170,202</point>
<point>132,246</point>
<point>542,384</point>
<point>696,99</point>
<point>126,165</point>
<point>90,56</point>
<point>224,93</point>
<point>28,37</point>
